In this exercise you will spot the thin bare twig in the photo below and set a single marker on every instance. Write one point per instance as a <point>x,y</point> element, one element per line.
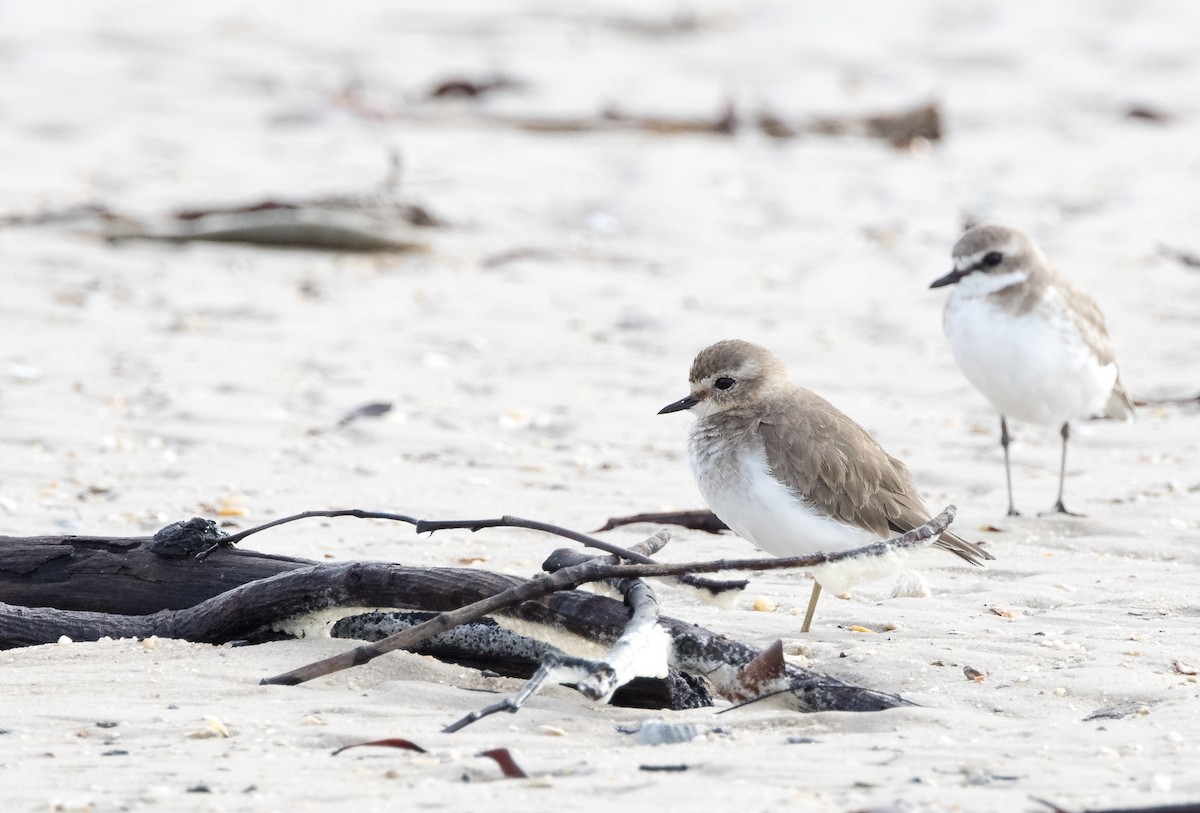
<point>714,587</point>
<point>1185,807</point>
<point>561,668</point>
<point>230,541</point>
<point>429,526</point>
<point>1167,401</point>
<point>1188,258</point>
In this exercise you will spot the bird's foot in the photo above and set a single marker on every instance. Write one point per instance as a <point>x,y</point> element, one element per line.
<point>1012,512</point>
<point>1059,508</point>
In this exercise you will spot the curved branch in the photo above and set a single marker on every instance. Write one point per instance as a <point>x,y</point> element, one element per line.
<point>473,525</point>
<point>711,586</point>
<point>233,539</point>
<point>429,525</point>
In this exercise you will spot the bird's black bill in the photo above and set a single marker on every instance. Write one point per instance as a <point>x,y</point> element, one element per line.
<point>949,279</point>
<point>680,405</point>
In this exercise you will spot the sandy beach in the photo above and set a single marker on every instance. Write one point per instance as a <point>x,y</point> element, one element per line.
<point>528,347</point>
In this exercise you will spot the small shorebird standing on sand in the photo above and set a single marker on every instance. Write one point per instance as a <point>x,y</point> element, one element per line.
<point>786,470</point>
<point>1034,344</point>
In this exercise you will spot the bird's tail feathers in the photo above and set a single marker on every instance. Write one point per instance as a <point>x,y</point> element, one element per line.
<point>1119,406</point>
<point>962,548</point>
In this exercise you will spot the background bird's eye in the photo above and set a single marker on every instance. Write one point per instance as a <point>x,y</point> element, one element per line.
<point>723,383</point>
<point>993,258</point>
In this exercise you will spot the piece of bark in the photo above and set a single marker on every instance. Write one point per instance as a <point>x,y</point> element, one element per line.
<point>900,128</point>
<point>904,128</point>
<point>1151,113</point>
<point>410,213</point>
<point>1191,259</point>
<point>758,678</point>
<point>326,230</point>
<point>470,88</point>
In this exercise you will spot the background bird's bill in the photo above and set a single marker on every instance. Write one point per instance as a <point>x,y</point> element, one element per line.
<point>951,278</point>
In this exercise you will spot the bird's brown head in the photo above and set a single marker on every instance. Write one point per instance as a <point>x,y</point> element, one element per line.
<point>728,374</point>
<point>991,258</point>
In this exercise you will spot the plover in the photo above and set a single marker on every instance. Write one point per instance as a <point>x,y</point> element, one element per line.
<point>1034,344</point>
<point>786,470</point>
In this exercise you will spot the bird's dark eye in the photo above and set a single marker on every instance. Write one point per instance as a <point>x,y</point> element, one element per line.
<point>723,383</point>
<point>993,258</point>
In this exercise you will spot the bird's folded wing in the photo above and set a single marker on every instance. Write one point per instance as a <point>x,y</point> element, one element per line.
<point>831,462</point>
<point>835,465</point>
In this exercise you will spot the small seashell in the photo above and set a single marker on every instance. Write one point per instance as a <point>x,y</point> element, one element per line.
<point>231,506</point>
<point>974,674</point>
<point>514,419</point>
<point>762,604</point>
<point>660,732</point>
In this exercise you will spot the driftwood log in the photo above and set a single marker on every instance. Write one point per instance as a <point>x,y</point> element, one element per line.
<point>89,587</point>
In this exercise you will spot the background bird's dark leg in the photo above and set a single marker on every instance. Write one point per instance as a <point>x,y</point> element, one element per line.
<point>1059,508</point>
<point>1005,439</point>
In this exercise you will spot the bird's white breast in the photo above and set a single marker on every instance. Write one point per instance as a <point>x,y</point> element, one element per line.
<point>738,486</point>
<point>1033,366</point>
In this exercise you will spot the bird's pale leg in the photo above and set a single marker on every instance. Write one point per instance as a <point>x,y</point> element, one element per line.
<point>812,606</point>
<point>1004,441</point>
<point>1059,508</point>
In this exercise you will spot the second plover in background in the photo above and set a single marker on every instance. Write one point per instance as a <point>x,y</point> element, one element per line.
<point>786,470</point>
<point>1034,344</point>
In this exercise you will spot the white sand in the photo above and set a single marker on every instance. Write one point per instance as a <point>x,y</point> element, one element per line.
<point>145,383</point>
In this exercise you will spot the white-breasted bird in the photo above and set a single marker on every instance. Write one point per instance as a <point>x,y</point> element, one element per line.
<point>1032,342</point>
<point>786,470</point>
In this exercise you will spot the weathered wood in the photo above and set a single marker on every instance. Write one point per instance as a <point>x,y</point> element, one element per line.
<point>244,610</point>
<point>128,575</point>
